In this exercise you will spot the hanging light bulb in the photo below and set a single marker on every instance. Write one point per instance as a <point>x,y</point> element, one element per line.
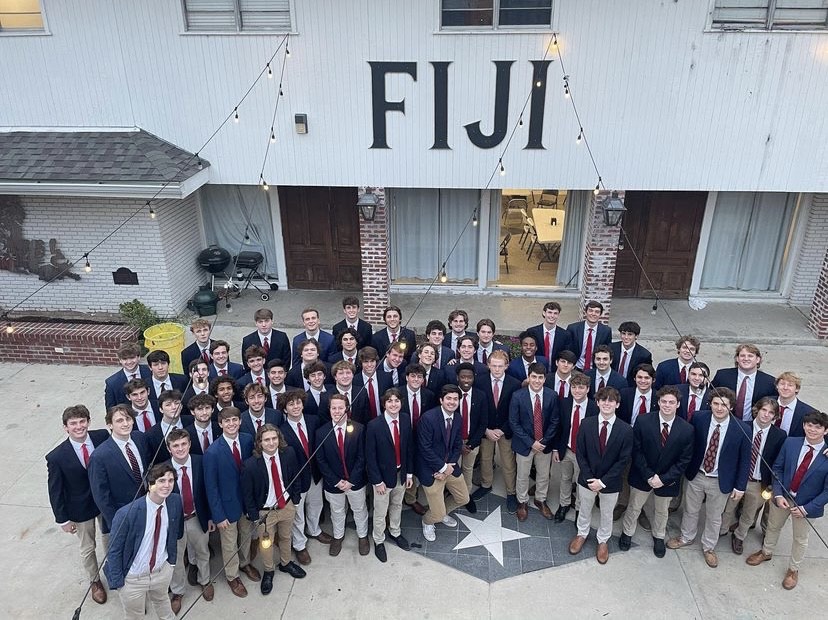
<point>265,542</point>
<point>502,169</point>
<point>272,136</point>
<point>199,163</point>
<point>229,308</point>
<point>246,238</point>
<point>520,121</point>
<point>580,137</point>
<point>554,40</point>
<point>269,72</point>
<point>443,276</point>
<point>236,114</point>
<point>654,308</point>
<point>287,49</point>
<point>538,83</point>
<point>597,187</point>
<point>87,268</point>
<point>403,345</point>
<point>9,328</point>
<point>767,494</point>
<point>566,86</point>
<point>349,428</point>
<point>152,213</point>
<point>265,186</point>
<point>474,218</point>
<point>281,92</point>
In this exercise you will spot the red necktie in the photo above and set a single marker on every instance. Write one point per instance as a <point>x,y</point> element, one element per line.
<point>277,483</point>
<point>465,412</point>
<point>665,433</point>
<point>642,407</point>
<point>260,380</point>
<point>588,351</point>
<point>372,398</point>
<point>691,408</point>
<point>155,536</point>
<point>449,423</point>
<point>415,410</point>
<point>397,443</point>
<point>147,421</point>
<point>576,424</point>
<point>709,463</point>
<point>485,357</point>
<point>622,367</point>
<point>602,438</point>
<point>237,454</point>
<point>782,409</point>
<point>561,389</point>
<point>223,372</point>
<point>394,337</point>
<point>341,444</point>
<point>602,384</point>
<point>740,398</point>
<point>496,391</point>
<point>351,360</point>
<point>801,470</point>
<point>205,356</point>
<point>85,455</point>
<point>133,464</point>
<point>258,423</point>
<point>547,349</point>
<point>266,347</point>
<point>205,441</point>
<point>537,418</point>
<point>133,375</point>
<point>303,439</point>
<point>683,374</point>
<point>187,493</point>
<point>754,453</point>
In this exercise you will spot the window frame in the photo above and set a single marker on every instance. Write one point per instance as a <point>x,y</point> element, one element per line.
<point>238,21</point>
<point>21,32</point>
<point>496,27</point>
<point>769,26</point>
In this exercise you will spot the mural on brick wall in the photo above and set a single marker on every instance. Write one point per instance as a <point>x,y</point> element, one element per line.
<point>28,256</point>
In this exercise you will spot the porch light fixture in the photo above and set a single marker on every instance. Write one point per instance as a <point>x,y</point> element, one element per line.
<point>367,205</point>
<point>614,210</point>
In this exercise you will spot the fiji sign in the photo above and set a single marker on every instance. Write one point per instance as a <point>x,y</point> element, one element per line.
<point>381,106</point>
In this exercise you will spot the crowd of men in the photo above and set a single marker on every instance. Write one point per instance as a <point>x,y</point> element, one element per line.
<point>357,418</point>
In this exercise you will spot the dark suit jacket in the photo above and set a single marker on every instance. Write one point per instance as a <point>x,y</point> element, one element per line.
<point>630,401</point>
<point>446,354</point>
<point>499,415</point>
<point>381,342</point>
<point>561,342</point>
<point>389,375</point>
<point>427,401</point>
<point>256,482</point>
<point>311,473</point>
<point>196,475</point>
<point>649,458</point>
<point>450,372</point>
<point>114,390</point>
<point>69,492</point>
<point>684,402</point>
<point>667,373</point>
<point>797,430</point>
<point>517,369</point>
<point>434,449</point>
<point>603,335</point>
<point>380,457</point>
<point>157,444</point>
<point>763,385</point>
<point>521,419</point>
<point>271,416</point>
<point>615,380</point>
<point>339,356</point>
<point>640,355</point>
<point>326,345</point>
<point>128,533</point>
<point>734,452</point>
<point>223,478</point>
<point>188,394</point>
<point>478,416</point>
<point>190,353</point>
<point>565,430</point>
<point>321,410</point>
<point>110,477</point>
<point>496,346</point>
<point>195,437</point>
<point>246,379</point>
<point>234,370</point>
<point>364,330</point>
<point>436,379</point>
<point>278,345</point>
<point>177,382</point>
<point>327,457</point>
<point>813,490</point>
<point>296,378</point>
<point>609,467</point>
<point>773,444</point>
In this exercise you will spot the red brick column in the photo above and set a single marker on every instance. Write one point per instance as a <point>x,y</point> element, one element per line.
<point>818,321</point>
<point>376,276</point>
<point>600,256</point>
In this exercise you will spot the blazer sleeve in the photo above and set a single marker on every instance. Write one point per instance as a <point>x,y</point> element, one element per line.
<point>581,453</point>
<point>638,455</point>
<point>358,470</point>
<point>115,554</point>
<point>248,489</point>
<point>514,420</point>
<point>99,485</point>
<point>743,471</point>
<point>554,420</point>
<point>322,459</point>
<point>779,470</point>
<point>624,454</point>
<point>211,485</point>
<point>110,399</point>
<point>676,471</point>
<point>55,483</point>
<point>483,419</point>
<point>371,464</point>
<point>425,437</point>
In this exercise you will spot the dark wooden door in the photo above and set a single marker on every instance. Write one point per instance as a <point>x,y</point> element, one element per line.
<point>663,228</point>
<point>320,226</point>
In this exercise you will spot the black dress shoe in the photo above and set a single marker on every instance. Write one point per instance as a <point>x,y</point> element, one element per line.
<point>292,569</point>
<point>402,542</point>
<point>471,507</point>
<point>511,504</point>
<point>267,582</point>
<point>560,514</point>
<point>379,551</point>
<point>625,542</point>
<point>480,493</point>
<point>659,550</point>
<point>192,575</point>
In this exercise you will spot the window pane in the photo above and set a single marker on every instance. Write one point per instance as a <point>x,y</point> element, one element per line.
<point>525,17</point>
<point>265,15</point>
<point>210,15</point>
<point>20,15</point>
<point>467,18</point>
<point>741,13</point>
<point>467,4</point>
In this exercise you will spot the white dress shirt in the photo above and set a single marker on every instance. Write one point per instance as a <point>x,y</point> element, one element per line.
<point>122,447</point>
<point>722,431</point>
<point>78,446</point>
<point>272,499</point>
<point>756,474</point>
<point>140,565</point>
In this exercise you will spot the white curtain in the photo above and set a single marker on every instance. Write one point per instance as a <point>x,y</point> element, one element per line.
<point>425,225</point>
<point>574,237</point>
<point>747,243</point>
<point>227,209</point>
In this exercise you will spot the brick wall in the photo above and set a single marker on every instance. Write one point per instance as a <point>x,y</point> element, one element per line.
<point>818,320</point>
<point>64,343</point>
<point>811,252</point>
<point>376,277</point>
<point>181,243</point>
<point>600,254</point>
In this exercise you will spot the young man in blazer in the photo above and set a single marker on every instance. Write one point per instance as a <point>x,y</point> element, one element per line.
<point>533,416</point>
<point>695,394</point>
<point>199,373</point>
<point>170,406</point>
<point>394,332</point>
<point>363,329</point>
<point>129,355</point>
<point>221,365</point>
<point>586,335</point>
<point>486,344</point>
<point>746,380</point>
<point>254,361</point>
<point>518,367</point>
<point>435,333</point>
<point>145,413</point>
<point>347,347</point>
<point>603,450</point>
<point>416,400</point>
<point>474,414</point>
<point>69,492</point>
<point>257,414</point>
<point>662,449</point>
<point>800,492</point>
<point>274,342</point>
<point>791,410</point>
<point>162,379</point>
<point>200,349</point>
<point>717,471</point>
<point>675,371</point>
<point>627,354</point>
<point>141,558</point>
<point>204,430</point>
<point>601,374</point>
<point>310,320</point>
<point>550,338</point>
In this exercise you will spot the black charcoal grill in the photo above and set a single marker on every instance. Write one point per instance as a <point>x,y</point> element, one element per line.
<point>215,260</point>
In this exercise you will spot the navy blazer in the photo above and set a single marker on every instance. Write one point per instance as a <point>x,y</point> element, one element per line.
<point>271,416</point>
<point>640,355</point>
<point>322,409</point>
<point>603,335</point>
<point>156,442</point>
<point>609,467</point>
<point>813,490</point>
<point>222,478</point>
<point>246,379</point>
<point>565,430</point>
<point>295,377</point>
<point>364,333</point>
<point>339,356</point>
<point>763,385</point>
<point>436,379</point>
<point>684,400</point>
<point>196,475</point>
<point>630,401</point>
<point>177,382</point>
<point>114,391</point>
<point>111,479</point>
<point>450,372</point>
<point>358,402</point>
<point>496,346</point>
<point>446,355</point>
<point>499,415</point>
<point>380,457</point>
<point>650,458</point>
<point>427,401</point>
<point>309,473</point>
<point>389,375</point>
<point>734,452</point>
<point>517,369</point>
<point>434,448</point>
<point>278,346</point>
<point>234,371</point>
<point>256,482</point>
<point>478,416</point>
<point>69,492</point>
<point>193,352</point>
<point>614,380</point>
<point>128,529</point>
<point>797,430</point>
<point>561,342</point>
<point>522,420</point>
<point>327,457</point>
<point>189,393</point>
<point>773,444</point>
<point>381,342</point>
<point>326,345</point>
<point>667,373</point>
<point>195,436</point>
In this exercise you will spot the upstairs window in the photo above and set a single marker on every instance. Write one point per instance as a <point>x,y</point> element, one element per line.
<point>496,14</point>
<point>770,14</point>
<point>21,16</point>
<point>237,15</point>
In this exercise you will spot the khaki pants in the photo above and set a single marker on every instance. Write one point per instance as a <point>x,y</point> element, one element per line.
<point>542,464</point>
<point>624,495</point>
<point>752,503</point>
<point>389,503</point>
<point>339,503</point>
<point>438,506</point>
<point>662,511</point>
<point>586,501</point>
<point>278,524</point>
<point>569,476</point>
<point>155,584</point>
<point>196,542</point>
<point>235,536</point>
<point>411,493</point>
<point>86,539</point>
<point>507,463</point>
<point>467,465</point>
<point>776,521</point>
<point>307,511</point>
<point>703,489</point>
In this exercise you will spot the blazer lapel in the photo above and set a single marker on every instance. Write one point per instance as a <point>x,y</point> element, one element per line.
<point>819,459</point>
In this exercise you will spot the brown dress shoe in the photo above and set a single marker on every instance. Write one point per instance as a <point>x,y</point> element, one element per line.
<point>736,545</point>
<point>303,556</point>
<point>711,558</point>
<point>755,559</point>
<point>678,542</point>
<point>237,587</point>
<point>208,592</point>
<point>324,538</point>
<point>98,592</point>
<point>418,508</point>
<point>336,546</point>
<point>576,544</point>
<point>522,511</point>
<point>602,553</point>
<point>251,572</point>
<point>544,510</point>
<point>791,579</point>
<point>364,546</point>
<point>175,603</point>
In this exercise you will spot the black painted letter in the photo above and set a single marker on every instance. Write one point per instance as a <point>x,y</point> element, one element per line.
<point>540,70</point>
<point>378,103</point>
<point>441,105</point>
<point>501,111</point>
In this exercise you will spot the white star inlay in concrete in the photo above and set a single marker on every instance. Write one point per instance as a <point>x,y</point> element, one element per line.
<point>488,533</point>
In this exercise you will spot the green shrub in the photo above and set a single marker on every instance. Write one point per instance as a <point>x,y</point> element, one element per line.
<point>139,315</point>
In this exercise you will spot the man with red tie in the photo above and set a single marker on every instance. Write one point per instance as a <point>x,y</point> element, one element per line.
<point>200,349</point>
<point>129,355</point>
<point>588,334</point>
<point>627,354</point>
<point>416,400</point>
<point>800,492</point>
<point>558,381</point>
<point>791,409</point>
<point>550,337</point>
<point>474,414</point>
<point>274,342</point>
<point>746,380</point>
<point>485,341</point>
<point>674,371</point>
<point>374,383</point>
<point>204,430</point>
<point>254,360</point>
<point>257,415</point>
<point>137,392</point>
<point>695,395</point>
